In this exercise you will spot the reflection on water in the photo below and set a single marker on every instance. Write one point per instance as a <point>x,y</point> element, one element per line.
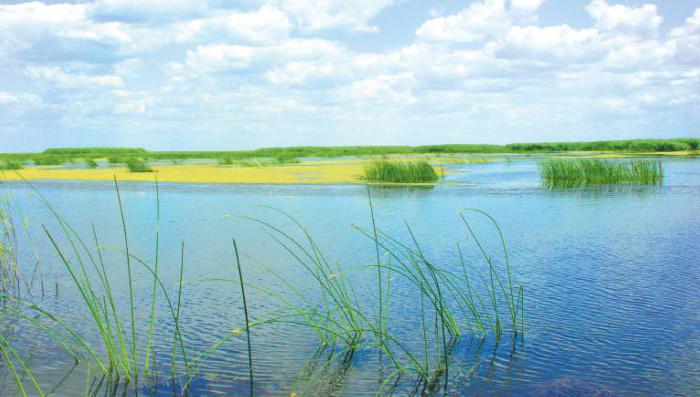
<point>611,279</point>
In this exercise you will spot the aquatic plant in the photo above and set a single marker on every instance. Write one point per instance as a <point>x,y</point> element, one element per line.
<point>450,304</point>
<point>90,163</point>
<point>83,263</point>
<point>344,322</point>
<point>286,159</point>
<point>567,173</point>
<point>11,165</point>
<point>227,160</point>
<point>400,172</point>
<point>693,144</point>
<point>136,165</point>
<point>117,160</point>
<point>287,154</point>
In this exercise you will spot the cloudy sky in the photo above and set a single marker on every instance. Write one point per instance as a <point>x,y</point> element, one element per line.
<point>216,74</point>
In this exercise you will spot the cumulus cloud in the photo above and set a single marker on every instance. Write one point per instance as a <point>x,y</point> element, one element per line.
<point>265,25</point>
<point>480,20</point>
<point>315,15</point>
<point>146,10</point>
<point>553,43</point>
<point>57,77</point>
<point>640,20</point>
<point>686,40</point>
<point>490,70</point>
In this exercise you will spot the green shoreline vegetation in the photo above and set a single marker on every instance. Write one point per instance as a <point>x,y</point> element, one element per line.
<point>400,172</point>
<point>284,155</point>
<point>452,305</point>
<point>137,165</point>
<point>568,173</point>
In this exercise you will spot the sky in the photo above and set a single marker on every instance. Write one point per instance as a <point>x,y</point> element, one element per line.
<point>228,75</point>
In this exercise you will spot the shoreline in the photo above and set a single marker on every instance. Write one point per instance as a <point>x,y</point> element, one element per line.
<point>314,172</point>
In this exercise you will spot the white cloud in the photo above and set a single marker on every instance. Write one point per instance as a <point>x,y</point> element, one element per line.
<point>315,15</point>
<point>57,77</point>
<point>139,10</point>
<point>640,20</point>
<point>553,43</point>
<point>135,106</point>
<point>265,25</point>
<point>63,32</point>
<point>479,21</point>
<point>8,98</point>
<point>228,57</point>
<point>686,40</point>
<point>303,68</point>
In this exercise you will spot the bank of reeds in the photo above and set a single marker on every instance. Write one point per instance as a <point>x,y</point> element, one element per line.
<point>136,165</point>
<point>451,303</point>
<point>567,173</point>
<point>11,165</point>
<point>400,172</point>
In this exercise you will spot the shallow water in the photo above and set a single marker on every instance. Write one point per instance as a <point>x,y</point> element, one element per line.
<point>611,276</point>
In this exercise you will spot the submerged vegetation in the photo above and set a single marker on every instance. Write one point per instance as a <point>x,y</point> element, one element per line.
<point>400,172</point>
<point>467,298</point>
<point>567,173</point>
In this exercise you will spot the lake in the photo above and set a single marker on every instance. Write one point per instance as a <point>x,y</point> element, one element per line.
<point>611,280</point>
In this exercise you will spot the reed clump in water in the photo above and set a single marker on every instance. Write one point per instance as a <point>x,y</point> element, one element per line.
<point>11,165</point>
<point>135,165</point>
<point>400,172</point>
<point>451,302</point>
<point>565,173</point>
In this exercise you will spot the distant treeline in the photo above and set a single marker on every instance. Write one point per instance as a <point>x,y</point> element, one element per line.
<point>288,154</point>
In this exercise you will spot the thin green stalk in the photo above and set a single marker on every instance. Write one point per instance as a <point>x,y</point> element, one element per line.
<point>245,312</point>
<point>131,288</point>
<point>177,308</point>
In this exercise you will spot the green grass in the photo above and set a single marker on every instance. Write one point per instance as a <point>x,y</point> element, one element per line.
<point>286,155</point>
<point>340,318</point>
<point>90,163</point>
<point>11,165</point>
<point>136,165</point>
<point>566,173</point>
<point>95,151</point>
<point>630,145</point>
<point>286,159</point>
<point>450,300</point>
<point>226,160</point>
<point>400,172</point>
<point>51,160</point>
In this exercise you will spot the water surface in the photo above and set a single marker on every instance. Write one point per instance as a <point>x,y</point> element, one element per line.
<point>611,276</point>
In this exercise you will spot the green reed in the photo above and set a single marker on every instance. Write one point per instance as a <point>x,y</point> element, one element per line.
<point>84,265</point>
<point>568,173</point>
<point>11,165</point>
<point>345,322</point>
<point>400,172</point>
<point>450,302</point>
<point>136,165</point>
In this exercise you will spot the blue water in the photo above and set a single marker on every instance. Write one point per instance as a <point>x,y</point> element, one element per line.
<point>611,277</point>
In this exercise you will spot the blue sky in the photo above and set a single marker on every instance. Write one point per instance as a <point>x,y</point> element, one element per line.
<point>215,75</point>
